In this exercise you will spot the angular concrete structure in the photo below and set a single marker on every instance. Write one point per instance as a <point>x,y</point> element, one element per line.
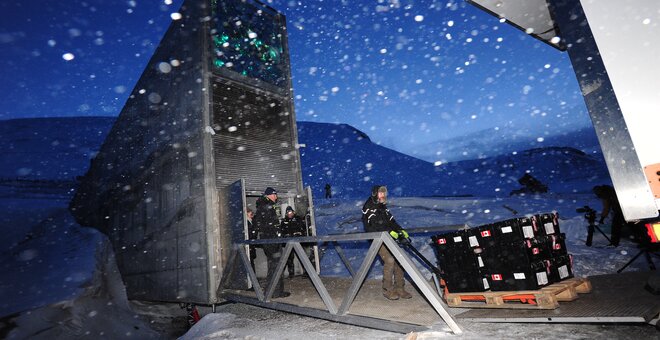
<point>209,125</point>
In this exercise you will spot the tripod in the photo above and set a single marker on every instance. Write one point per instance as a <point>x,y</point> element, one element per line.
<point>590,216</point>
<point>590,233</point>
<point>647,250</point>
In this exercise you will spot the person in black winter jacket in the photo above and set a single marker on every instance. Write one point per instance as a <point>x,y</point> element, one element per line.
<point>376,217</point>
<point>252,235</point>
<point>267,223</point>
<point>292,226</point>
<point>610,204</point>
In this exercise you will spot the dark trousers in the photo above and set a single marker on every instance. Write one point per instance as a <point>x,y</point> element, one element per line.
<point>273,254</point>
<point>590,235</point>
<point>290,261</point>
<point>289,264</point>
<point>253,256</point>
<point>617,223</point>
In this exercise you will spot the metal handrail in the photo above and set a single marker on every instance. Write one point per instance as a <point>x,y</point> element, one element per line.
<point>294,244</point>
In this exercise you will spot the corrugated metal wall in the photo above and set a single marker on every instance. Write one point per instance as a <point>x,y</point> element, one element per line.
<point>253,139</point>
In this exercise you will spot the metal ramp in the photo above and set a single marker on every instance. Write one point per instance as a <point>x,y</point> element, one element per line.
<point>347,300</point>
<point>615,298</point>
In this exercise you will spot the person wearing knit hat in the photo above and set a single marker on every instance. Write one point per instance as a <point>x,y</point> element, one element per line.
<point>267,222</point>
<point>292,226</point>
<point>376,217</point>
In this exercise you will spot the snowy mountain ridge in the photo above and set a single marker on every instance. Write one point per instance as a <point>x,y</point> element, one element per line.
<point>63,281</point>
<point>50,148</point>
<point>60,149</point>
<point>341,156</point>
<point>499,141</point>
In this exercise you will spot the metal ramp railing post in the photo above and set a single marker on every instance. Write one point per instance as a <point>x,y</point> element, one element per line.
<point>378,239</point>
<point>316,279</point>
<point>270,289</point>
<point>361,275</point>
<point>344,259</point>
<point>420,281</point>
<point>251,273</point>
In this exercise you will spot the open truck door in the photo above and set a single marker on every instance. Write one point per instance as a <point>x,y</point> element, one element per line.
<point>614,56</point>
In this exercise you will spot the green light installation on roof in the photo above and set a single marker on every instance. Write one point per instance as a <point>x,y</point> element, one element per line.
<point>248,41</point>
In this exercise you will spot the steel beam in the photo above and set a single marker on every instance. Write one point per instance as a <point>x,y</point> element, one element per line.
<point>361,275</point>
<point>251,273</point>
<point>332,313</point>
<point>344,259</point>
<point>423,285</point>
<point>316,280</point>
<point>362,321</point>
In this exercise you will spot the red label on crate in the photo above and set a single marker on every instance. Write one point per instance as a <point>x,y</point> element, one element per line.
<point>485,233</point>
<point>535,251</point>
<point>442,241</point>
<point>496,277</point>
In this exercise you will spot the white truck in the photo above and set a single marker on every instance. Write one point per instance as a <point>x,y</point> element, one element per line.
<point>613,46</point>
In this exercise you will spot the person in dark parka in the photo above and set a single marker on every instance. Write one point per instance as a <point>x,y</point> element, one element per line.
<point>611,205</point>
<point>252,235</point>
<point>267,222</point>
<point>328,190</point>
<point>376,217</point>
<point>292,226</point>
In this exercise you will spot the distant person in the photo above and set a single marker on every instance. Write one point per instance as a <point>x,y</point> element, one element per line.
<point>611,204</point>
<point>267,223</point>
<point>292,226</point>
<point>376,217</point>
<point>328,190</point>
<point>252,235</point>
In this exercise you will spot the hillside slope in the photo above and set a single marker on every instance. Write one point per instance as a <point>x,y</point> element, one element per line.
<point>501,141</point>
<point>50,148</point>
<point>59,149</point>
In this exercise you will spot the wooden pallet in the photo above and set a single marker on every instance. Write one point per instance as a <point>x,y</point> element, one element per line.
<point>545,298</point>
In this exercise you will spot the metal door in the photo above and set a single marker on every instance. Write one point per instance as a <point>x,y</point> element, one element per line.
<point>236,230</point>
<point>305,205</point>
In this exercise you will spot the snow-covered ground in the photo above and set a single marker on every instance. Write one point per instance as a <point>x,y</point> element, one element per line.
<point>59,280</point>
<point>342,216</point>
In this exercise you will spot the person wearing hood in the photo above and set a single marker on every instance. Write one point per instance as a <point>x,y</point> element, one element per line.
<point>252,235</point>
<point>292,226</point>
<point>267,222</point>
<point>376,217</point>
<point>611,206</point>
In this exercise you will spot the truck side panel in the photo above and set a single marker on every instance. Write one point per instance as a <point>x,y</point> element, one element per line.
<point>594,77</point>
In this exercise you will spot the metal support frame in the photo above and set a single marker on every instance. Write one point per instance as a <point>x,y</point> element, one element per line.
<point>344,259</point>
<point>357,320</point>
<point>333,313</point>
<point>647,252</point>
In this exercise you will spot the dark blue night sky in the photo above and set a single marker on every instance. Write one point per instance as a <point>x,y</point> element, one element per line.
<point>405,72</point>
